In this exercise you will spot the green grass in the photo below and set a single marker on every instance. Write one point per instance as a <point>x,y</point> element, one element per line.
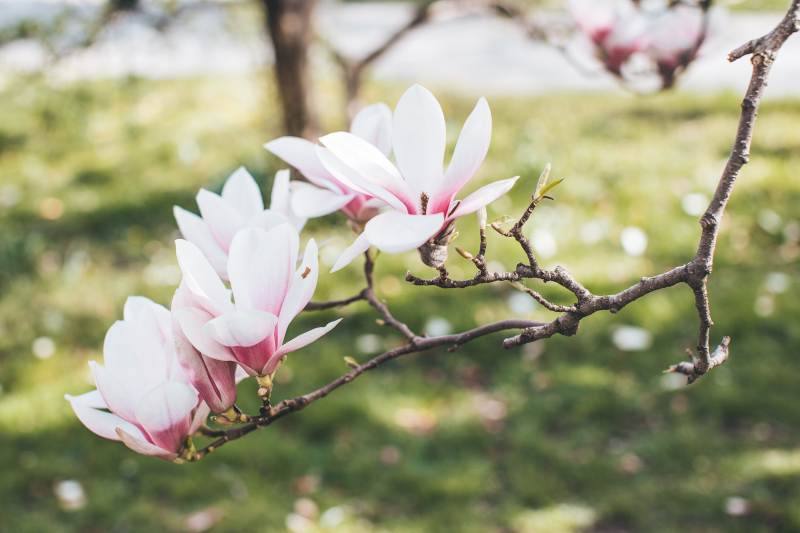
<point>588,436</point>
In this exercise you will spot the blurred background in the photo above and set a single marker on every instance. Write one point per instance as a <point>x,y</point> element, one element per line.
<point>110,114</point>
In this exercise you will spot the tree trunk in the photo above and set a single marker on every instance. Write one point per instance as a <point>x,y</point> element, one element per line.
<point>290,27</point>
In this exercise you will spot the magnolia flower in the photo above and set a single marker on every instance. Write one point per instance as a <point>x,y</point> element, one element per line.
<point>419,193</point>
<point>617,30</point>
<point>239,206</point>
<point>143,397</point>
<point>328,193</point>
<point>267,291</point>
<point>214,380</point>
<point>674,38</point>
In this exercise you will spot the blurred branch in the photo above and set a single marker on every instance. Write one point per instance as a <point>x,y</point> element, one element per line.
<point>160,19</point>
<point>353,69</point>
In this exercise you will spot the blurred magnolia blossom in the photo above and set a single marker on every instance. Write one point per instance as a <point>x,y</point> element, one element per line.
<point>667,36</point>
<point>674,37</point>
<point>143,396</point>
<point>327,193</point>
<point>419,193</point>
<point>615,28</point>
<point>267,295</point>
<point>239,206</point>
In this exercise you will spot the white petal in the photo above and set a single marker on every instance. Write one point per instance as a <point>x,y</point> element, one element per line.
<point>155,316</point>
<point>374,125</point>
<point>194,229</point>
<point>201,279</point>
<point>139,445</point>
<point>242,328</point>
<point>192,321</point>
<point>268,219</point>
<point>309,201</point>
<point>483,196</point>
<point>359,246</point>
<point>470,151</point>
<point>150,326</point>
<point>241,191</point>
<point>222,218</point>
<point>99,422</point>
<point>121,393</point>
<point>418,137</point>
<point>372,171</point>
<point>304,339</point>
<point>89,399</point>
<point>279,197</point>
<point>302,289</point>
<point>395,232</point>
<point>302,155</point>
<point>283,196</point>
<point>261,264</point>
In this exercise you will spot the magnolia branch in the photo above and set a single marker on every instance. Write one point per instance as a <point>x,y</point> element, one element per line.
<point>694,274</point>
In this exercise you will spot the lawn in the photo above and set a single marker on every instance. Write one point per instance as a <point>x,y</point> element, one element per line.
<point>569,434</point>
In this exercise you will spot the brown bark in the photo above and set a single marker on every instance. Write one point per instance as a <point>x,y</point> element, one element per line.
<point>290,27</point>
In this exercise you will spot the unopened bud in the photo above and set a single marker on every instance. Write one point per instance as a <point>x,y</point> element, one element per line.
<point>465,254</point>
<point>482,215</point>
<point>349,361</point>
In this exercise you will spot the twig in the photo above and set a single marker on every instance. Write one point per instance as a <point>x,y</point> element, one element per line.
<point>299,403</point>
<point>332,304</point>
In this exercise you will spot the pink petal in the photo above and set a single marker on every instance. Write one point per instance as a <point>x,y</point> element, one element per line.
<point>359,246</point>
<point>166,413</point>
<point>222,218</point>
<point>419,137</point>
<point>242,327</point>
<point>201,279</point>
<point>196,231</point>
<point>470,151</point>
<point>304,339</point>
<point>199,418</point>
<point>309,201</point>
<point>483,196</point>
<point>261,264</point>
<point>139,445</point>
<point>374,125</point>
<point>395,232</point>
<point>241,191</point>
<point>302,155</point>
<point>213,379</point>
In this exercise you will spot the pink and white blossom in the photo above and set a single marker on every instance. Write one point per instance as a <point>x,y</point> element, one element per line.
<point>419,192</point>
<point>238,206</point>
<point>326,193</point>
<point>143,396</point>
<point>674,38</point>
<point>214,380</point>
<point>615,27</point>
<point>269,290</point>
